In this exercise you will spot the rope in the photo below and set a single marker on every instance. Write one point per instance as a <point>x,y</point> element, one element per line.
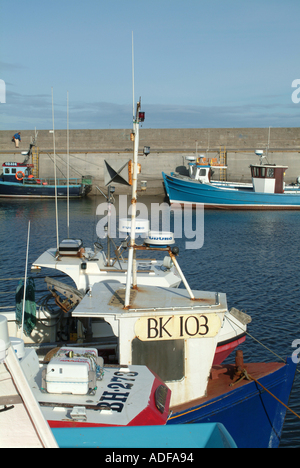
<point>36,277</point>
<point>259,342</point>
<point>249,377</point>
<point>64,177</point>
<point>255,339</point>
<point>66,164</point>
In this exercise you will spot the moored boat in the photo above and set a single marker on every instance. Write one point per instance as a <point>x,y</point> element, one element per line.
<point>87,405</point>
<point>177,337</point>
<point>17,181</point>
<point>267,191</point>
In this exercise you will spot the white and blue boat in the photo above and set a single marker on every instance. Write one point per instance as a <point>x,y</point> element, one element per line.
<point>267,190</point>
<point>177,337</point>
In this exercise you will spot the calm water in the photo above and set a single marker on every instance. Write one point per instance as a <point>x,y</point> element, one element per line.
<point>252,256</point>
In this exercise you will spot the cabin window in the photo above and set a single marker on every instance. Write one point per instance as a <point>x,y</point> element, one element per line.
<point>6,170</point>
<point>202,172</point>
<point>165,358</point>
<point>263,172</point>
<point>270,172</point>
<point>13,170</point>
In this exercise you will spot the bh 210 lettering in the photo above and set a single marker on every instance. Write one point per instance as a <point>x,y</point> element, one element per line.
<point>114,400</point>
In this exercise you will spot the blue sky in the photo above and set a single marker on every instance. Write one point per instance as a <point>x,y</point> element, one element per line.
<point>198,63</point>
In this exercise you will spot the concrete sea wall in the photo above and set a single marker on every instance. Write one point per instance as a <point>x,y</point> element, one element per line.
<point>169,147</point>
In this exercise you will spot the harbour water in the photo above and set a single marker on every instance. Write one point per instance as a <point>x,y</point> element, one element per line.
<point>252,256</point>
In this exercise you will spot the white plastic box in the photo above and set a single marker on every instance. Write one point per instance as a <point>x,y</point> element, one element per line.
<point>72,370</point>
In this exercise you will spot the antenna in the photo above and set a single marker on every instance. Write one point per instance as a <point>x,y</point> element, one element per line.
<point>54,157</point>
<point>132,55</point>
<point>131,254</point>
<point>68,170</point>
<point>25,281</point>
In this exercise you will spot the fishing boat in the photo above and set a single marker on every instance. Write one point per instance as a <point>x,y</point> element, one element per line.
<point>267,191</point>
<point>17,181</point>
<point>177,337</point>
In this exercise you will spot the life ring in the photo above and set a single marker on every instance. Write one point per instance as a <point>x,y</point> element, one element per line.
<point>22,175</point>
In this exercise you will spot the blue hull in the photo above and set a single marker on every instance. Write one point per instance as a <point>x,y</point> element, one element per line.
<point>209,435</point>
<point>252,416</point>
<point>18,190</point>
<point>184,190</point>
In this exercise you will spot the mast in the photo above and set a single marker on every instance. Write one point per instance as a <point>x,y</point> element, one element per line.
<point>55,180</point>
<point>131,254</point>
<point>25,281</point>
<point>132,61</point>
<point>68,170</point>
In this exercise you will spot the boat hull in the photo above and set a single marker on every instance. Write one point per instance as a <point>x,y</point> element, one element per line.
<point>210,435</point>
<point>224,349</point>
<point>252,416</point>
<point>183,190</point>
<point>17,190</point>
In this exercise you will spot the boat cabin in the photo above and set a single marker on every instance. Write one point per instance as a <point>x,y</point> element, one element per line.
<point>164,329</point>
<point>200,172</point>
<point>268,178</point>
<point>15,172</point>
<point>201,168</point>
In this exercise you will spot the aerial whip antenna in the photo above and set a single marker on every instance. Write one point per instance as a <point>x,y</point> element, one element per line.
<point>132,53</point>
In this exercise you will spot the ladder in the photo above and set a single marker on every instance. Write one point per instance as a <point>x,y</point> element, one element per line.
<point>35,161</point>
<point>223,162</point>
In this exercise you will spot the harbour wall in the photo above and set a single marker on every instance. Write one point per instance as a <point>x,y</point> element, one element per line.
<point>169,148</point>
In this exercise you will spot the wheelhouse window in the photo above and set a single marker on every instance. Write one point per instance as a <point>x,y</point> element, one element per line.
<point>263,172</point>
<point>165,358</point>
<point>6,170</point>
